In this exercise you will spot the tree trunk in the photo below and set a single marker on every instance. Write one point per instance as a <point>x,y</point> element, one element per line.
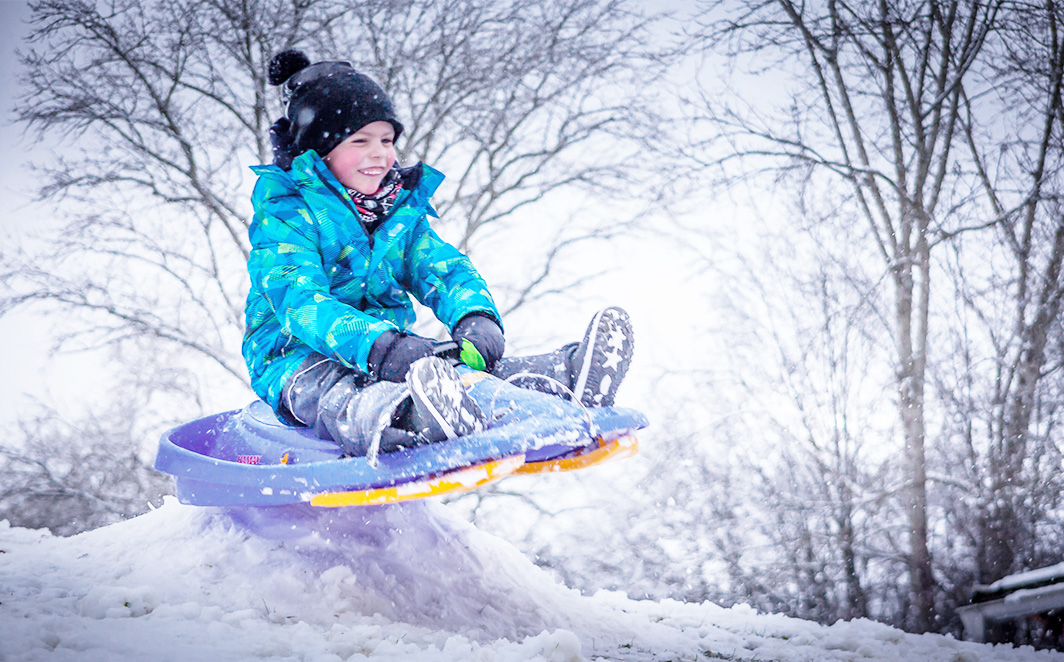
<point>856,605</point>
<point>912,334</point>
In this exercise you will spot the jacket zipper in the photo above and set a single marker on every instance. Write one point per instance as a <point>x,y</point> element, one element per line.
<point>358,217</point>
<point>351,208</point>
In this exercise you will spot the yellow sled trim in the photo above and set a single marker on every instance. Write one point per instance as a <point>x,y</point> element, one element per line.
<point>615,449</point>
<point>458,480</point>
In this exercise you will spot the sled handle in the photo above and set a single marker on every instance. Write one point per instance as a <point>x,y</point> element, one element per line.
<point>464,353</point>
<point>447,350</point>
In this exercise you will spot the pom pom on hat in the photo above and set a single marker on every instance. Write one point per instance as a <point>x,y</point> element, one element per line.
<point>284,64</point>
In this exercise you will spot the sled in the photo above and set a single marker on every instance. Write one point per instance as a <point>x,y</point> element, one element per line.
<point>247,457</point>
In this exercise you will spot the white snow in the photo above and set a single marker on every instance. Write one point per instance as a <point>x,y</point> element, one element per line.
<point>402,582</point>
<point>1029,577</point>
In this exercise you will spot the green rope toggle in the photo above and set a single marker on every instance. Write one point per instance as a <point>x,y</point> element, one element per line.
<point>471,357</point>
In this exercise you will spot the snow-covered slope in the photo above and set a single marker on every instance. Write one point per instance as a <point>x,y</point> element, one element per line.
<point>406,582</point>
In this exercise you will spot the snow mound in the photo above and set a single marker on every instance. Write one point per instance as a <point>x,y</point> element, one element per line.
<point>402,582</point>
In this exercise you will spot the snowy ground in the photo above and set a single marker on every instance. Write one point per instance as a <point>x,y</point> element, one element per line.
<point>407,582</point>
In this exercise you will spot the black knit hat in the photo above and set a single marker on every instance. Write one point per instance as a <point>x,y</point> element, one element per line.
<point>324,104</point>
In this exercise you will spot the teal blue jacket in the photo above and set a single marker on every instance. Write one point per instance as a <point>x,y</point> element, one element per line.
<point>321,283</point>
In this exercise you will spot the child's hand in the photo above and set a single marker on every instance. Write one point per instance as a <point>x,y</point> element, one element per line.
<point>393,353</point>
<point>484,333</point>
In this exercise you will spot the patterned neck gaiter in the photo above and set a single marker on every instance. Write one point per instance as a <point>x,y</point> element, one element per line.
<point>375,208</point>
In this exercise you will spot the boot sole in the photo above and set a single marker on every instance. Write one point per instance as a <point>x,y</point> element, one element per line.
<point>427,384</point>
<point>605,328</point>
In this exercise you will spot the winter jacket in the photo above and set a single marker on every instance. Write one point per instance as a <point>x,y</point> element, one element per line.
<point>321,283</point>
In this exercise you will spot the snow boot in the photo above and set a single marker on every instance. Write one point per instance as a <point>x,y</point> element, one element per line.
<point>363,421</point>
<point>601,360</point>
<point>591,369</point>
<point>440,406</point>
<point>528,371</point>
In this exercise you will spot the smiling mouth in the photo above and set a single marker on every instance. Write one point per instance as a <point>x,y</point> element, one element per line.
<point>372,172</point>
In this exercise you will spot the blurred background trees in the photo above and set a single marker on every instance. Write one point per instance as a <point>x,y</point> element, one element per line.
<point>915,151</point>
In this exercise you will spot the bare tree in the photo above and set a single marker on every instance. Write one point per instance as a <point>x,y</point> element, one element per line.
<point>877,94</point>
<point>1032,231</point>
<point>70,478</point>
<point>930,132</point>
<point>1001,383</point>
<point>807,359</point>
<point>511,99</point>
<point>155,107</point>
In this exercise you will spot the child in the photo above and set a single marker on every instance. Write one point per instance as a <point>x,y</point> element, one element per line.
<point>340,239</point>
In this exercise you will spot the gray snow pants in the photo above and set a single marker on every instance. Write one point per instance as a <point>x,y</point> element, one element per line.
<point>349,406</point>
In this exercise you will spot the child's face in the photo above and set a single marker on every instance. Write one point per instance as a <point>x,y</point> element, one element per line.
<point>364,158</point>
